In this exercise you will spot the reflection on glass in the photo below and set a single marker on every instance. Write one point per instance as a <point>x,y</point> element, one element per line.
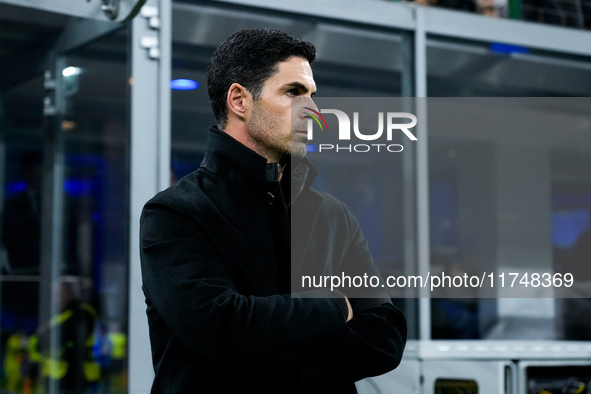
<point>71,364</point>
<point>571,238</point>
<point>559,378</point>
<point>21,196</point>
<point>455,386</point>
<point>83,346</point>
<point>509,194</point>
<point>481,69</point>
<point>499,198</point>
<point>95,208</point>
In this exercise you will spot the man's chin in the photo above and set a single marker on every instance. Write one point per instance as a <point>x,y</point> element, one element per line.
<point>298,150</point>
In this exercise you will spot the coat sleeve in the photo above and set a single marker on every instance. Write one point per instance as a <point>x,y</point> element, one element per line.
<point>186,283</point>
<point>372,344</point>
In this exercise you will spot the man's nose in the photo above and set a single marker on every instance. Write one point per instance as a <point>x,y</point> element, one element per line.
<point>305,105</point>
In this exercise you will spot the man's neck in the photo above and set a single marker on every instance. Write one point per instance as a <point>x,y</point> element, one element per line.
<point>241,135</point>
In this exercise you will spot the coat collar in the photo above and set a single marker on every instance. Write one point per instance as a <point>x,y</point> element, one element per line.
<point>229,158</point>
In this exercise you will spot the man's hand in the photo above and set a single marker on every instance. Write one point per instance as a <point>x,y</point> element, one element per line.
<point>350,309</point>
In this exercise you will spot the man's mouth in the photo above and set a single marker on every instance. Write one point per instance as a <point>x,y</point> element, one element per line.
<point>301,135</point>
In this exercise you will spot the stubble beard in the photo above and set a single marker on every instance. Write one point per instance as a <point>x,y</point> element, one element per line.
<point>298,149</point>
<point>261,128</point>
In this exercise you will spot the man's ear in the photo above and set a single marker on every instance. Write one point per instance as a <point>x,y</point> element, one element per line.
<point>239,101</point>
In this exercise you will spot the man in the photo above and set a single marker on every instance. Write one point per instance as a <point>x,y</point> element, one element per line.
<point>216,248</point>
<point>71,364</point>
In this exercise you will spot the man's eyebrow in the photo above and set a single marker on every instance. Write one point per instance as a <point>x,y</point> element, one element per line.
<point>298,85</point>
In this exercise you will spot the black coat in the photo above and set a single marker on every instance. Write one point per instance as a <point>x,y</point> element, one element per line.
<point>216,262</point>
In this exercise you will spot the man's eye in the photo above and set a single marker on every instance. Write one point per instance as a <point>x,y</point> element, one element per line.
<point>293,92</point>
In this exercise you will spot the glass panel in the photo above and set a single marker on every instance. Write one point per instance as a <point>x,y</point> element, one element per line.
<point>21,153</point>
<point>353,62</point>
<point>23,46</point>
<point>480,69</point>
<point>469,188</point>
<point>455,386</point>
<point>89,329</point>
<point>558,378</point>
<point>514,199</point>
<point>95,210</point>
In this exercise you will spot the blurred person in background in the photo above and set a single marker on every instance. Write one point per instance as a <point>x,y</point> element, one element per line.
<point>71,364</point>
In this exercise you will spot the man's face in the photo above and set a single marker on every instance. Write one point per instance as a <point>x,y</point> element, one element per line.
<point>272,128</point>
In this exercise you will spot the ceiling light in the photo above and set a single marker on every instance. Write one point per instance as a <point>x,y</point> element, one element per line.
<point>183,84</point>
<point>69,71</point>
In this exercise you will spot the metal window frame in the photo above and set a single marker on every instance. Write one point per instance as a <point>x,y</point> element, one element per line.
<point>437,21</point>
<point>149,163</point>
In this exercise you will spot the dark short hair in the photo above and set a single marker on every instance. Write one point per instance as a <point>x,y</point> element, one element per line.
<point>250,57</point>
